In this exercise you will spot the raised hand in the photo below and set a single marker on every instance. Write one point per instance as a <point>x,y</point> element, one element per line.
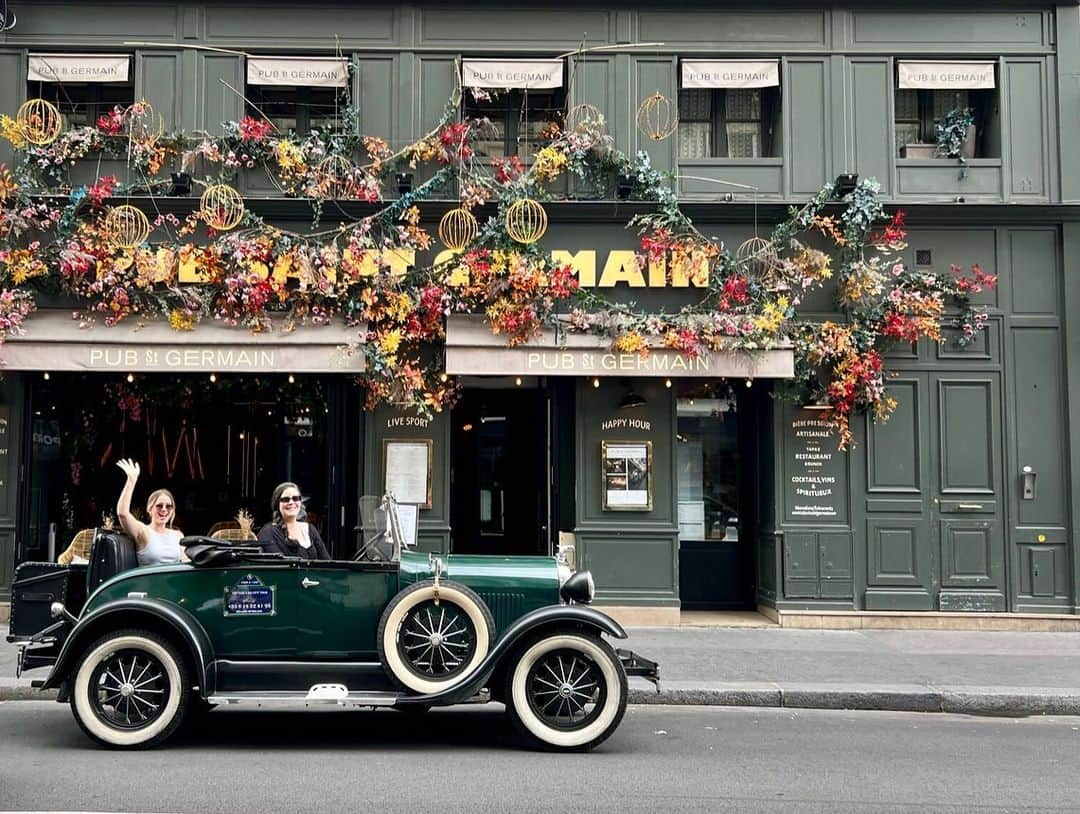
<point>130,467</point>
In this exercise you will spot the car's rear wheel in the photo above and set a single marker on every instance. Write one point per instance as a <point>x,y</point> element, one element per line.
<point>131,690</point>
<point>433,639</point>
<point>567,691</point>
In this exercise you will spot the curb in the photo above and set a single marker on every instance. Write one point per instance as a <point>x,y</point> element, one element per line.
<point>986,701</point>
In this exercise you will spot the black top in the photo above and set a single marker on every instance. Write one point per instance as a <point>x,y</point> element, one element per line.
<point>273,541</point>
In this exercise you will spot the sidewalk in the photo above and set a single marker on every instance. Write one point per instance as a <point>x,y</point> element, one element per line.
<point>985,673</point>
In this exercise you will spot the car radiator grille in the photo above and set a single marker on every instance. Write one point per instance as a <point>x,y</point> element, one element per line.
<point>504,606</point>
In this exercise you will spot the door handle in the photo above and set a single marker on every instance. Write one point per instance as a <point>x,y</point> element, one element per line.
<point>969,505</point>
<point>308,583</point>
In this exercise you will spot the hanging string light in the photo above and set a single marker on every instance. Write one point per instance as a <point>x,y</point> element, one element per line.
<point>526,221</point>
<point>127,226</point>
<point>39,121</point>
<point>458,228</point>
<point>221,207</point>
<point>656,117</point>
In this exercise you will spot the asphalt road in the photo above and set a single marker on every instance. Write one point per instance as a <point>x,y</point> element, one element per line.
<point>465,759</point>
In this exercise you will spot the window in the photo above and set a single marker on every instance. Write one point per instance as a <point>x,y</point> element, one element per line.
<point>917,113</point>
<point>517,118</point>
<point>82,103</point>
<point>298,109</point>
<point>707,458</point>
<point>729,123</point>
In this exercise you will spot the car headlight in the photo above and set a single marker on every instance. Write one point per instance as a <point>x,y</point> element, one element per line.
<point>579,588</point>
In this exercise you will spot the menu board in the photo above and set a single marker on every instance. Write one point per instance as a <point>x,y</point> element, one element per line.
<point>815,470</point>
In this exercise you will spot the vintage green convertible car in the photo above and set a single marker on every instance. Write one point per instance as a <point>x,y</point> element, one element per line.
<point>135,650</point>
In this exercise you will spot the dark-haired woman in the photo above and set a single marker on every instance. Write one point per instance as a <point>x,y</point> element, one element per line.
<point>286,533</point>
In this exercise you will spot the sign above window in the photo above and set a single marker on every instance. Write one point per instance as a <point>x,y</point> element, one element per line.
<point>78,67</point>
<point>528,74</point>
<point>945,75</point>
<point>730,73</point>
<point>302,72</point>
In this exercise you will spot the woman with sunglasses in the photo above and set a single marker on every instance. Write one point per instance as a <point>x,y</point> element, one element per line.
<point>287,534</point>
<point>156,542</point>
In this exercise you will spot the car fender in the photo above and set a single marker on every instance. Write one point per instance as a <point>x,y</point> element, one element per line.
<point>552,616</point>
<point>123,613</point>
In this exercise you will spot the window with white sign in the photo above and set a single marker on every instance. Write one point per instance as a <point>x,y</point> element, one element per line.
<point>729,109</point>
<point>84,87</point>
<point>515,101</point>
<point>707,462</point>
<point>946,110</point>
<point>298,94</point>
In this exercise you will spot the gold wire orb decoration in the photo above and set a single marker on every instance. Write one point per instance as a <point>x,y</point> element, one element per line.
<point>221,207</point>
<point>585,118</point>
<point>757,255</point>
<point>458,228</point>
<point>143,124</point>
<point>40,121</point>
<point>526,221</point>
<point>656,117</point>
<point>335,178</point>
<point>126,226</point>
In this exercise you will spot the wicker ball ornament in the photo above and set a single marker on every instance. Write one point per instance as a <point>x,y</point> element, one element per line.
<point>127,226</point>
<point>584,118</point>
<point>458,228</point>
<point>758,255</point>
<point>656,117</point>
<point>39,121</point>
<point>221,207</point>
<point>335,178</point>
<point>526,221</point>
<point>143,124</point>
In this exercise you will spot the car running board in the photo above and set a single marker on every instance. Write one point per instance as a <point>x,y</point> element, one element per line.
<point>320,695</point>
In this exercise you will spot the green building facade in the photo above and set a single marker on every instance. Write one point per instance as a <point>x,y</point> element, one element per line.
<point>963,501</point>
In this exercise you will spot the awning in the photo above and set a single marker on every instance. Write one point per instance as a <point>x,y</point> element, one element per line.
<point>730,73</point>
<point>307,72</point>
<point>78,67</point>
<point>473,350</point>
<point>529,74</point>
<point>54,341</point>
<point>945,75</point>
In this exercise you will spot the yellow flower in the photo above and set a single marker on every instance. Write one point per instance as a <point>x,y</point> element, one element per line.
<point>13,132</point>
<point>181,320</point>
<point>632,342</point>
<point>549,164</point>
<point>459,276</point>
<point>390,341</point>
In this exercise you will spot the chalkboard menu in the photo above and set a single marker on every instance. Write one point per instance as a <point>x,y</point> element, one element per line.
<point>815,470</point>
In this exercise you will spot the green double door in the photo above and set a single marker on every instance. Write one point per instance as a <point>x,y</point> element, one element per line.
<point>935,505</point>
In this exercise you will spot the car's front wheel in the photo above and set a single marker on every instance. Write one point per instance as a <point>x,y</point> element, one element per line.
<point>567,691</point>
<point>131,690</point>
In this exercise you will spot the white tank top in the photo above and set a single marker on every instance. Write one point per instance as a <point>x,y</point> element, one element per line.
<point>161,547</point>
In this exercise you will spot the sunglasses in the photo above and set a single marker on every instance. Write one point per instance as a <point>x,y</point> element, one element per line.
<point>290,499</point>
<point>163,505</point>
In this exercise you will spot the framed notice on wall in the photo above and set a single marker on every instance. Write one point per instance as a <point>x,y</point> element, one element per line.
<point>407,464</point>
<point>627,468</point>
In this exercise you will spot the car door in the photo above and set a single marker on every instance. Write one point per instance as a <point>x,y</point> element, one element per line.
<point>338,606</point>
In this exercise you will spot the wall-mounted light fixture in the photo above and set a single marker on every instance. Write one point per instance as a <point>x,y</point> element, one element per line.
<point>845,184</point>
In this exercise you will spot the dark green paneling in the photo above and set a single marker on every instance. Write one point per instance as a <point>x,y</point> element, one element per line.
<point>12,94</point>
<point>632,554</point>
<point>437,82</point>
<point>384,423</point>
<point>732,30</point>
<point>871,117</point>
<point>96,23</point>
<point>806,120</point>
<point>948,31</point>
<point>11,419</point>
<point>305,25</point>
<point>1035,276</point>
<point>1067,92</point>
<point>655,76</point>
<point>503,28</point>
<point>590,80</point>
<point>1025,128</point>
<point>980,179</point>
<point>217,102</point>
<point>159,81</point>
<point>376,96</point>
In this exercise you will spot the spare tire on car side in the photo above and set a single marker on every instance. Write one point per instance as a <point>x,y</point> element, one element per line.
<point>432,637</point>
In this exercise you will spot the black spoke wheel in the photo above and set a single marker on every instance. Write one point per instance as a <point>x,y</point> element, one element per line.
<point>131,689</point>
<point>128,689</point>
<point>433,637</point>
<point>566,689</point>
<point>436,641</point>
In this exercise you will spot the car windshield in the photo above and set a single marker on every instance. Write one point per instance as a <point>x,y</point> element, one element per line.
<point>382,528</point>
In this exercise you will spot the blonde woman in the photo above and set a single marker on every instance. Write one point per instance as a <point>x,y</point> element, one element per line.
<point>156,542</point>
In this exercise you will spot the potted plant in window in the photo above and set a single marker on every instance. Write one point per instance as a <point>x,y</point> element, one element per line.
<point>956,134</point>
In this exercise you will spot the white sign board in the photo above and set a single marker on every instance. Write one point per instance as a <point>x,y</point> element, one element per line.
<point>78,67</point>
<point>945,75</point>
<point>299,72</point>
<point>529,74</point>
<point>730,73</point>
